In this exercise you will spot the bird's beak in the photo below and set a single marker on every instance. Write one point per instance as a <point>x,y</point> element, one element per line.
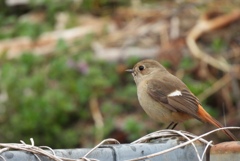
<point>129,70</point>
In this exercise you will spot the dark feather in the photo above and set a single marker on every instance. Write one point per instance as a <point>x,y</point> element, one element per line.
<point>186,102</point>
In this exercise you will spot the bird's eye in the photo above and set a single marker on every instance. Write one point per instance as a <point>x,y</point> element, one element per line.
<point>141,67</point>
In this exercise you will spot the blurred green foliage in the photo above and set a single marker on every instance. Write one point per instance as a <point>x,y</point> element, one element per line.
<point>133,128</point>
<point>218,45</point>
<point>46,97</point>
<point>11,24</point>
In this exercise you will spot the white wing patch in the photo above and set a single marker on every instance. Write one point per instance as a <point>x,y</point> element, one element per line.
<point>175,93</point>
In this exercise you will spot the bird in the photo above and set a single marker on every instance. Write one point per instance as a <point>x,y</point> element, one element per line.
<point>165,98</point>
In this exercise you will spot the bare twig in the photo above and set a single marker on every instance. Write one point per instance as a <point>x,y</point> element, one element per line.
<point>116,53</point>
<point>46,42</point>
<point>215,87</point>
<point>206,24</point>
<point>97,117</point>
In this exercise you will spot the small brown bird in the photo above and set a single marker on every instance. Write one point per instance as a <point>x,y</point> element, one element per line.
<point>165,98</point>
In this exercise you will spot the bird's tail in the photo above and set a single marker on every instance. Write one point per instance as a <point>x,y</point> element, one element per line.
<point>207,118</point>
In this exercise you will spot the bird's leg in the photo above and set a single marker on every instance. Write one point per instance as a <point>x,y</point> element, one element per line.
<point>172,125</point>
<point>168,127</point>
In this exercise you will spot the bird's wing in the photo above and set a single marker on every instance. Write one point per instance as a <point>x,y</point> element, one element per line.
<point>174,97</point>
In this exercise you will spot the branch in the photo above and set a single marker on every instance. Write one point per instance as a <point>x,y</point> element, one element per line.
<point>205,24</point>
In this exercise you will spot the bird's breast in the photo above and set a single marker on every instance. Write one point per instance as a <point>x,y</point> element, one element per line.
<point>154,109</point>
<point>157,110</point>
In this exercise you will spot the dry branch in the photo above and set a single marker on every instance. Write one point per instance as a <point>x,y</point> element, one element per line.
<point>97,117</point>
<point>205,24</point>
<point>46,42</point>
<point>215,87</point>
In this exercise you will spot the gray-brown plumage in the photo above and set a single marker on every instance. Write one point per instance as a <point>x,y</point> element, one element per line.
<point>165,98</point>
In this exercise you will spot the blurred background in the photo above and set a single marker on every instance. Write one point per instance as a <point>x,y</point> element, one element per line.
<point>62,67</point>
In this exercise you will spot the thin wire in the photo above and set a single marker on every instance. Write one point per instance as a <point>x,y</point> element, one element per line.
<point>205,150</point>
<point>181,145</point>
<point>101,143</point>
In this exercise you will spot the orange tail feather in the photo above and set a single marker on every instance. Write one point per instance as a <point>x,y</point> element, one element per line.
<point>207,118</point>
